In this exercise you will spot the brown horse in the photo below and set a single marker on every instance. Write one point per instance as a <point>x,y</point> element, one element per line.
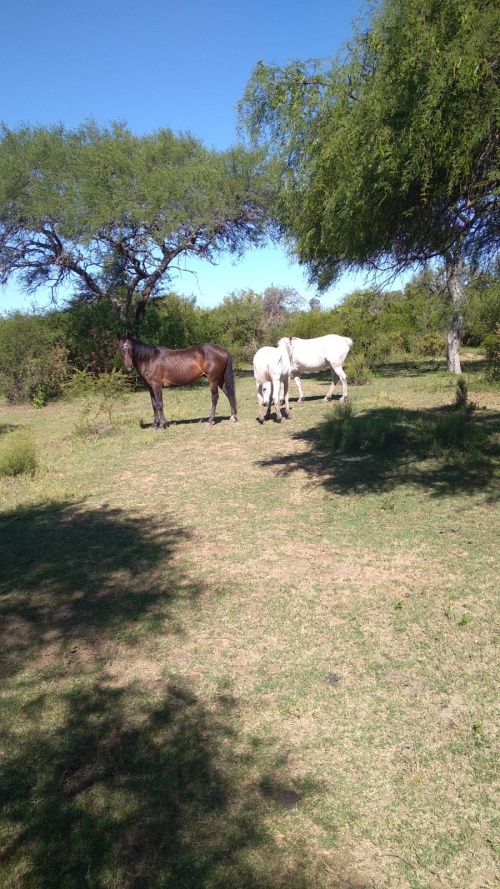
<point>160,368</point>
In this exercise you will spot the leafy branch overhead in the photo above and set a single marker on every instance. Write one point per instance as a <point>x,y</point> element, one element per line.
<point>388,156</point>
<point>114,212</point>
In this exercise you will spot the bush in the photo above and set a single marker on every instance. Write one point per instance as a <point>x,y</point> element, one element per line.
<point>102,394</point>
<point>430,345</point>
<point>33,358</point>
<point>357,370</point>
<point>17,454</point>
<point>491,345</point>
<point>344,431</point>
<point>92,333</point>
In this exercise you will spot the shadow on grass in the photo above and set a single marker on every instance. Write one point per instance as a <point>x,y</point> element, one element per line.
<point>407,457</point>
<point>130,793</point>
<point>71,573</point>
<point>107,782</point>
<point>418,367</point>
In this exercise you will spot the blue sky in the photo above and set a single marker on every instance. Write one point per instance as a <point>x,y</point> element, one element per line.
<point>163,63</point>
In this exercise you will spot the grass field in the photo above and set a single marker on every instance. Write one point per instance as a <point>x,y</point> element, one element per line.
<point>233,657</point>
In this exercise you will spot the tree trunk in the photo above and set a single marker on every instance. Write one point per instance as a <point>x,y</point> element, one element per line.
<point>457,295</point>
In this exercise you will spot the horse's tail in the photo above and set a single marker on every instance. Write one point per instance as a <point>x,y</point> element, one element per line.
<point>229,386</point>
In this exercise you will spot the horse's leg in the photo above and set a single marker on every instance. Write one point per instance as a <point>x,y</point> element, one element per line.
<point>156,419</point>
<point>335,377</point>
<point>228,387</point>
<point>159,406</point>
<point>286,383</point>
<point>299,387</point>
<point>262,402</point>
<point>232,402</point>
<point>339,370</point>
<point>157,402</point>
<point>214,389</point>
<point>275,395</point>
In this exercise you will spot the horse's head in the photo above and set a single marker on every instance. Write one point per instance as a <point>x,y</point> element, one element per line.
<point>125,347</point>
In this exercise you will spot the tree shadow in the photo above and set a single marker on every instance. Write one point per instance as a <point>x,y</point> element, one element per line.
<point>419,367</point>
<point>191,421</point>
<point>409,368</point>
<point>164,800</point>
<point>75,573</point>
<point>407,457</point>
<point>110,782</point>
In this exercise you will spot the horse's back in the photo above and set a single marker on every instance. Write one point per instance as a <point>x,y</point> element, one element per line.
<point>269,362</point>
<point>321,351</point>
<point>181,367</point>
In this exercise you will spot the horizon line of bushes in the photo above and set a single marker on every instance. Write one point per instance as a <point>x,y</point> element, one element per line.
<point>41,355</point>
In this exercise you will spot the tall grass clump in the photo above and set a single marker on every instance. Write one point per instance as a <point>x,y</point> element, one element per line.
<point>346,431</point>
<point>101,395</point>
<point>456,433</point>
<point>17,454</point>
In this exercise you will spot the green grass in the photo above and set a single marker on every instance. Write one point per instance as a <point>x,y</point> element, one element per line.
<point>233,656</point>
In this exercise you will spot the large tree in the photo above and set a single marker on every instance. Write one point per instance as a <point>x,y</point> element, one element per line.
<point>387,156</point>
<point>111,213</point>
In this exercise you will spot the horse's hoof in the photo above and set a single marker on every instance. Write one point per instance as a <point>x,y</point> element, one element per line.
<point>261,420</point>
<point>279,419</point>
<point>210,422</point>
<point>233,419</point>
<point>300,400</point>
<point>288,415</point>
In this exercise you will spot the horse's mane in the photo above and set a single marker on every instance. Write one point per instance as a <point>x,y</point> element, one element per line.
<point>143,350</point>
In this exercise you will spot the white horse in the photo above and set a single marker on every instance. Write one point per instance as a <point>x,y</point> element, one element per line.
<point>271,367</point>
<point>317,354</point>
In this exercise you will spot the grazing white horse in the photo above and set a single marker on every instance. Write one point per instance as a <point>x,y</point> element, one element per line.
<point>317,354</point>
<point>271,367</point>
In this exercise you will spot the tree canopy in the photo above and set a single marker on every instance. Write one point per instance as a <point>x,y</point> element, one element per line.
<point>113,212</point>
<point>387,156</point>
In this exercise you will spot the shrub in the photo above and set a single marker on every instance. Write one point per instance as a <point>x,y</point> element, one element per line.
<point>357,370</point>
<point>461,401</point>
<point>33,359</point>
<point>491,345</point>
<point>344,431</point>
<point>17,454</point>
<point>101,394</point>
<point>455,433</point>
<point>430,345</point>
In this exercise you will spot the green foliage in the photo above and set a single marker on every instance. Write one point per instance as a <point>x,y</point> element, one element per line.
<point>240,319</point>
<point>172,321</point>
<point>357,369</point>
<point>33,357</point>
<point>389,154</point>
<point>108,211</point>
<point>492,347</point>
<point>482,308</point>
<point>452,435</point>
<point>346,431</point>
<point>40,397</point>
<point>17,453</point>
<point>92,331</point>
<point>461,401</point>
<point>101,394</point>
<point>430,345</point>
